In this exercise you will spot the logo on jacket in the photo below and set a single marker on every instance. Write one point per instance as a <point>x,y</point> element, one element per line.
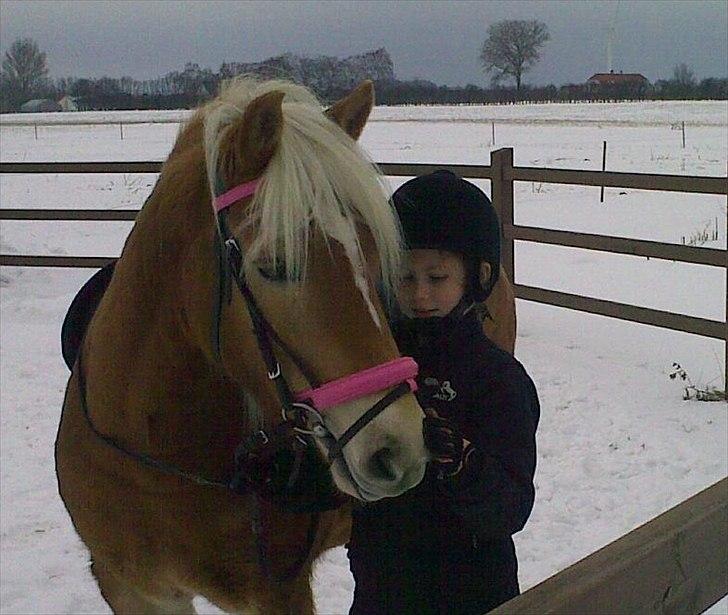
<point>443,390</point>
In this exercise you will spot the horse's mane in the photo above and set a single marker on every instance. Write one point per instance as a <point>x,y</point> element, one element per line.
<point>318,175</point>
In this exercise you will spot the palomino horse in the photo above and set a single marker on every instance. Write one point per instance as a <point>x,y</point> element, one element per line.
<point>248,285</point>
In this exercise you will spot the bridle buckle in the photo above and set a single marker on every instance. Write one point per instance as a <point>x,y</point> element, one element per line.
<point>276,373</point>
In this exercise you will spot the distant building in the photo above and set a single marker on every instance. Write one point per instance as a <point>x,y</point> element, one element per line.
<point>39,105</point>
<point>68,103</point>
<point>617,79</point>
<point>617,85</point>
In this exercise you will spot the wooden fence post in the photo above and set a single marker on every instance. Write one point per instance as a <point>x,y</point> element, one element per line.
<point>501,164</point>
<point>604,168</point>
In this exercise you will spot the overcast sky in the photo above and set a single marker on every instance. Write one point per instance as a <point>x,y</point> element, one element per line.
<point>438,41</point>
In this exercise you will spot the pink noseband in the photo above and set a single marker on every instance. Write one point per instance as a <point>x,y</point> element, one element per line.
<point>362,383</point>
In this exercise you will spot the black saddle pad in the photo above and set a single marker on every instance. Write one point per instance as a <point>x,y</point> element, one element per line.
<point>81,311</point>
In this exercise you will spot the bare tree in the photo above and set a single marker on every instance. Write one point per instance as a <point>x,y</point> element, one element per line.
<point>24,69</point>
<point>683,77</point>
<point>512,48</point>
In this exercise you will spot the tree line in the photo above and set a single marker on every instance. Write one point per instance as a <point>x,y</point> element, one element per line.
<point>510,50</point>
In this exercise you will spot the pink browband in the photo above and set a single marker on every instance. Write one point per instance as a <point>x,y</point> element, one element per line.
<point>235,194</point>
<point>362,383</point>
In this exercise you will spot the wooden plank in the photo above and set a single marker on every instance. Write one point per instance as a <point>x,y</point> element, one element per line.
<point>620,245</point>
<point>19,260</point>
<point>676,563</point>
<point>473,171</point>
<point>80,167</point>
<point>676,183</point>
<point>624,311</point>
<point>65,121</point>
<point>69,214</point>
<point>388,168</point>
<point>640,181</point>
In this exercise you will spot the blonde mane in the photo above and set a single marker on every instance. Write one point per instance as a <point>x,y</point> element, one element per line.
<point>318,176</point>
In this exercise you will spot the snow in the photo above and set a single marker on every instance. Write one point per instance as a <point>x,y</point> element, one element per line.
<point>617,444</point>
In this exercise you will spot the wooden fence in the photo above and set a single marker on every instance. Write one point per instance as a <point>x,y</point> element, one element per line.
<point>676,563</point>
<point>503,176</point>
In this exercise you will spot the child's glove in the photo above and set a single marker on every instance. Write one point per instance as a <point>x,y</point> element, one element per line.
<point>445,442</point>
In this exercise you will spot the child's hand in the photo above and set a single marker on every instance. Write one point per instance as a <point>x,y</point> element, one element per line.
<point>445,442</point>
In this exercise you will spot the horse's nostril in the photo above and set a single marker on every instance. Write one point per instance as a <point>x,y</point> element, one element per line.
<point>382,466</point>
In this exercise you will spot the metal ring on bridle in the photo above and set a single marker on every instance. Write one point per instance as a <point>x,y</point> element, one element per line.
<point>319,429</point>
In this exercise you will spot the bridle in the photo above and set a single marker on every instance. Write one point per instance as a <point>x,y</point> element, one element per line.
<point>303,409</point>
<point>302,412</point>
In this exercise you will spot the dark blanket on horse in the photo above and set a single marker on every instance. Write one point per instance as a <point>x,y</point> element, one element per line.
<point>81,311</point>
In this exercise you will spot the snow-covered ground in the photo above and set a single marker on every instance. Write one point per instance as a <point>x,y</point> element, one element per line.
<point>617,444</point>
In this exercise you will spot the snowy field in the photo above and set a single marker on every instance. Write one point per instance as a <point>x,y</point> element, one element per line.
<point>617,445</point>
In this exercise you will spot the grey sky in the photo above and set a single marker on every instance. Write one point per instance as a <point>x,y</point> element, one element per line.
<point>438,40</point>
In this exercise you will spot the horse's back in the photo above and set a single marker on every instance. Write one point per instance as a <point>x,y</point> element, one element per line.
<point>500,328</point>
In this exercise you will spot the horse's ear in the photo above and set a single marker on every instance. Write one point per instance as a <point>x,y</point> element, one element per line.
<point>253,142</point>
<point>351,112</point>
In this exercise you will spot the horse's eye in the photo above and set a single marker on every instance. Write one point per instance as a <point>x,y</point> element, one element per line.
<point>272,272</point>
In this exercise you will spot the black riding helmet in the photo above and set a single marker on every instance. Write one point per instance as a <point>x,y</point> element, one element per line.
<point>442,211</point>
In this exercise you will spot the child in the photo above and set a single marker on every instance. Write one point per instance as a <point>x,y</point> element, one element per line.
<point>445,546</point>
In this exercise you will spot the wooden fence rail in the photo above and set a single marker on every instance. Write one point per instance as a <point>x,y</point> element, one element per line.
<point>675,564</point>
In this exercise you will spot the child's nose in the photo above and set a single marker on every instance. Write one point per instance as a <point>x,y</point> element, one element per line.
<point>421,291</point>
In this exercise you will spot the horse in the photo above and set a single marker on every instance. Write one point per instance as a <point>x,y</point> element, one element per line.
<point>499,322</point>
<point>242,324</point>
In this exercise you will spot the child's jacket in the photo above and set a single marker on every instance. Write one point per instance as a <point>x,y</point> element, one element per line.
<point>445,546</point>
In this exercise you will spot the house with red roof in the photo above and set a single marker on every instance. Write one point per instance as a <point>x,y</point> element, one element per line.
<point>630,85</point>
<point>617,79</point>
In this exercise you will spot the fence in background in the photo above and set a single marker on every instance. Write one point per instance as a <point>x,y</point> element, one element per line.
<point>503,176</point>
<point>674,563</point>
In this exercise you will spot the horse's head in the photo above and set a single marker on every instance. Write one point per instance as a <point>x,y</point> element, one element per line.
<point>317,237</point>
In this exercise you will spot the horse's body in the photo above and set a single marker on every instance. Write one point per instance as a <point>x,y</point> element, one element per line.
<point>151,382</point>
<point>500,327</point>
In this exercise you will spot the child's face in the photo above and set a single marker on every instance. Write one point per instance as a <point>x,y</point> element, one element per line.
<point>433,283</point>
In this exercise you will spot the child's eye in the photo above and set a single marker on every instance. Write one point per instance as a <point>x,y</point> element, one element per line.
<point>437,278</point>
<point>408,278</point>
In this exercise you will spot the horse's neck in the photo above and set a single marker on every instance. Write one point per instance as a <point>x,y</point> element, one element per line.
<point>148,384</point>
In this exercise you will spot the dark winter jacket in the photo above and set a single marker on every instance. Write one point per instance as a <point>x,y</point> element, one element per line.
<point>445,546</point>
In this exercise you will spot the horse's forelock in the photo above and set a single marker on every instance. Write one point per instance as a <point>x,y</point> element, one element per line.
<point>318,175</point>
